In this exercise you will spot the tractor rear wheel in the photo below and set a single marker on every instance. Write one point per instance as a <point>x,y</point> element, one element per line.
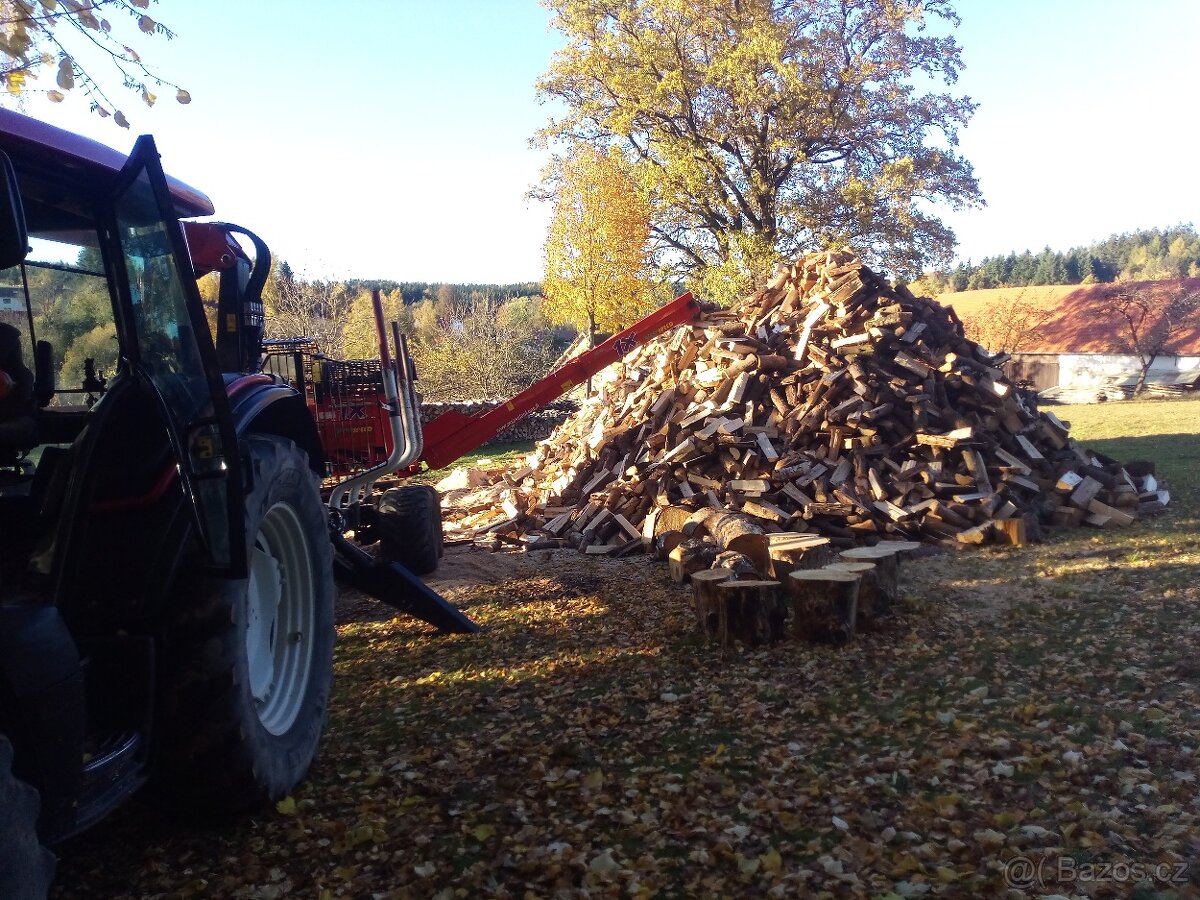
<point>409,519</point>
<point>249,663</point>
<point>26,867</point>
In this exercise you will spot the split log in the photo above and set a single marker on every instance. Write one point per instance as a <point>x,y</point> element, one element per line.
<point>688,557</point>
<point>1012,532</point>
<point>738,563</point>
<point>666,542</point>
<point>734,531</point>
<point>825,604</point>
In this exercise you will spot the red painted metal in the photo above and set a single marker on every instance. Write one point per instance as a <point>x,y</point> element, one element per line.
<point>123,504</point>
<point>349,408</point>
<point>211,247</point>
<point>29,136</point>
<point>453,434</point>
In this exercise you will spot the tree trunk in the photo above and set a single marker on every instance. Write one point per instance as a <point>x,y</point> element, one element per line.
<point>705,599</point>
<point>591,327</point>
<point>826,604</point>
<point>1146,362</point>
<point>749,611</point>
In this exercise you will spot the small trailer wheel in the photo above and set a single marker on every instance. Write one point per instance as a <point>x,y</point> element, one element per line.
<point>409,519</point>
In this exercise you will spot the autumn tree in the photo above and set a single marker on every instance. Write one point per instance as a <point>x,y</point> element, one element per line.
<point>488,351</point>
<point>1150,322</point>
<point>299,307</point>
<point>360,336</point>
<point>766,127</point>
<point>57,36</point>
<point>596,249</point>
<point>1009,325</point>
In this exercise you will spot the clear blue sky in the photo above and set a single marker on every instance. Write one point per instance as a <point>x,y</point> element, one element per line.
<point>390,139</point>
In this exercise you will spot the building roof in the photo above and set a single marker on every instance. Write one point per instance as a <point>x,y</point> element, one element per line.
<point>1081,321</point>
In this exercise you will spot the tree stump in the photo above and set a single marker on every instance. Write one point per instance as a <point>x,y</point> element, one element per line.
<point>904,550</point>
<point>826,604</point>
<point>881,587</point>
<point>752,612</point>
<point>870,605</point>
<point>705,599</point>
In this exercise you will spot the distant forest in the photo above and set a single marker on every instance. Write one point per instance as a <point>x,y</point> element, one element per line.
<point>416,291</point>
<point>1148,255</point>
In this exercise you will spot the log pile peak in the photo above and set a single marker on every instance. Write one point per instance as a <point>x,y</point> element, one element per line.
<point>829,403</point>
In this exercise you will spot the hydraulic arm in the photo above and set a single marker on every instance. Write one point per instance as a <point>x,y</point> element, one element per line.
<point>454,434</point>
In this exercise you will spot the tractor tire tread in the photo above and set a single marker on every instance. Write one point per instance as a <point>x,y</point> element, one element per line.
<point>26,867</point>
<point>410,527</point>
<point>209,764</point>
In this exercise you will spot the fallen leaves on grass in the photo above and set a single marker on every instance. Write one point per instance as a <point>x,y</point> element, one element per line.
<point>588,744</point>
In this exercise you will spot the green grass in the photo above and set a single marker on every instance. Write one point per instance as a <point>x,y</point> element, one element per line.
<point>1166,432</point>
<point>505,455</point>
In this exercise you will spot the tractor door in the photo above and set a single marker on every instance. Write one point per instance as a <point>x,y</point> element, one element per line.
<point>172,350</point>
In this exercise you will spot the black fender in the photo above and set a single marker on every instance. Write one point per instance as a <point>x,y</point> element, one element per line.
<point>259,404</point>
<point>264,405</point>
<point>42,708</point>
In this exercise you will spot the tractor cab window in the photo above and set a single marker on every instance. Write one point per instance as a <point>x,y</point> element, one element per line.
<point>166,346</point>
<point>62,289</point>
<point>72,310</point>
<point>169,354</point>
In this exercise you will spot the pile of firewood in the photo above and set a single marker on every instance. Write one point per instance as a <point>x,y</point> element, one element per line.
<point>828,402</point>
<point>827,411</point>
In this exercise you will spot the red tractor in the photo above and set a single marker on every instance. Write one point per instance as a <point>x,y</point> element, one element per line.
<point>167,557</point>
<point>167,562</point>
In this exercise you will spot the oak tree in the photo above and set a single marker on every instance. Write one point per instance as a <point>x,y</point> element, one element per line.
<point>766,127</point>
<point>67,37</point>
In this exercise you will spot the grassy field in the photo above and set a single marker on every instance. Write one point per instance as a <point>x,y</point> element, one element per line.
<point>1027,724</point>
<point>969,303</point>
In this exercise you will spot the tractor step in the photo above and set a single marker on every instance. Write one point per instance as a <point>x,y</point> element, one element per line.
<point>396,586</point>
<point>114,772</point>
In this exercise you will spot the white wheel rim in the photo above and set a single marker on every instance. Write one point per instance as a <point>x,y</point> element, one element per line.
<point>280,606</point>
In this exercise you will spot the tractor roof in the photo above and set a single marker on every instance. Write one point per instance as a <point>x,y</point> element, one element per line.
<point>34,144</point>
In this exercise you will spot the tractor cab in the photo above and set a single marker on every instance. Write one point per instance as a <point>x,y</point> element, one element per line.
<point>166,556</point>
<point>118,455</point>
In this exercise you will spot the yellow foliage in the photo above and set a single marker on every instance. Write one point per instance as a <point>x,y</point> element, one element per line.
<point>359,333</point>
<point>597,247</point>
<point>792,124</point>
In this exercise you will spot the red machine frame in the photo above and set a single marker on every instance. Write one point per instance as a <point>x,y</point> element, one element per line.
<point>346,396</point>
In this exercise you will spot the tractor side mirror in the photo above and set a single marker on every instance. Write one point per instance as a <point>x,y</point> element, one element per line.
<point>14,239</point>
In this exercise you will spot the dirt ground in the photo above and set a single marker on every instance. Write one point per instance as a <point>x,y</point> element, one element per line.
<point>467,568</point>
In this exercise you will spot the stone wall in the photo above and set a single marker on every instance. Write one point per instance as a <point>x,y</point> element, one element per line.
<point>533,427</point>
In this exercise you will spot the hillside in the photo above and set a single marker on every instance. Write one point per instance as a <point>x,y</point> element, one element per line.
<point>970,303</point>
<point>1081,323</point>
